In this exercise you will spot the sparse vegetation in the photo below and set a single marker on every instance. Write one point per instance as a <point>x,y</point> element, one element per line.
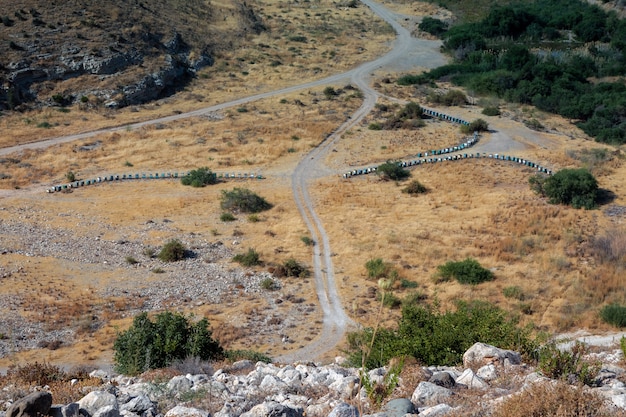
<point>491,111</point>
<point>155,344</point>
<point>478,125</point>
<point>172,251</point>
<point>268,284</point>
<point>307,240</point>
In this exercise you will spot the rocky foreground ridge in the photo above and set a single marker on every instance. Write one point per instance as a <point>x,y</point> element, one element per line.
<point>489,378</point>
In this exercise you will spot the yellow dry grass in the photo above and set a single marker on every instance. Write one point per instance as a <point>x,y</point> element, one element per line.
<point>475,208</point>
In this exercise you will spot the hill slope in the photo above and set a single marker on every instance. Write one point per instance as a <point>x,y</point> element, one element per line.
<point>112,52</point>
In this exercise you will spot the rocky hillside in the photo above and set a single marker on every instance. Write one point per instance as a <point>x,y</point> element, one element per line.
<point>114,53</point>
<point>491,382</point>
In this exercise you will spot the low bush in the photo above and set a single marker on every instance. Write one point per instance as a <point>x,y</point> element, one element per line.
<point>268,284</point>
<point>251,355</point>
<point>391,170</point>
<point>227,217</point>
<point>556,363</point>
<point>156,344</point>
<point>415,187</point>
<point>375,126</point>
<point>614,314</point>
<point>249,258</point>
<point>468,271</point>
<point>438,338</point>
<point>307,241</point>
<point>200,177</point>
<point>575,187</point>
<point>491,111</point>
<point>377,268</point>
<point>294,269</point>
<point>131,260</point>
<point>243,200</point>
<point>450,98</point>
<point>513,292</point>
<point>478,125</point>
<point>172,251</point>
<point>433,26</point>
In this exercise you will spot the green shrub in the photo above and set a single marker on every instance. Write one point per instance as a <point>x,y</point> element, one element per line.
<point>44,125</point>
<point>227,217</point>
<point>156,344</point>
<point>377,268</point>
<point>405,283</point>
<point>622,345</point>
<point>375,126</point>
<point>478,125</point>
<point>438,338</point>
<point>253,218</point>
<point>70,176</point>
<point>298,38</point>
<point>391,170</point>
<point>249,258</point>
<point>415,187</point>
<point>450,98</point>
<point>131,260</point>
<point>614,314</point>
<point>433,26</point>
<point>513,292</point>
<point>172,251</point>
<point>414,297</point>
<point>575,187</point>
<point>491,111</point>
<point>251,355</point>
<point>468,271</point>
<point>242,110</point>
<point>293,268</point>
<point>389,300</point>
<point>268,284</point>
<point>558,363</point>
<point>199,178</point>
<point>243,200</point>
<point>330,92</point>
<point>307,241</point>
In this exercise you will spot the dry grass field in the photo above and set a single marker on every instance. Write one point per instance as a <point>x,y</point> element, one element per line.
<point>545,257</point>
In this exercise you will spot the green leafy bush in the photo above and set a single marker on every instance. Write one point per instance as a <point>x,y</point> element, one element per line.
<point>575,187</point>
<point>377,268</point>
<point>294,269</point>
<point>513,292</point>
<point>478,125</point>
<point>70,176</point>
<point>391,170</point>
<point>491,111</point>
<point>227,217</point>
<point>614,314</point>
<point>200,177</point>
<point>268,284</point>
<point>172,251</point>
<point>415,187</point>
<point>435,338</point>
<point>375,126</point>
<point>433,26</point>
<point>468,271</point>
<point>249,258</point>
<point>251,355</point>
<point>558,363</point>
<point>450,98</point>
<point>156,344</point>
<point>307,241</point>
<point>243,200</point>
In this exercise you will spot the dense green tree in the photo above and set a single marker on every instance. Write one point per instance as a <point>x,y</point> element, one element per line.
<point>391,170</point>
<point>199,178</point>
<point>575,187</point>
<point>156,344</point>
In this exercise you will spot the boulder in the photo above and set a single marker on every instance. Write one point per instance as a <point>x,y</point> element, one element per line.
<point>138,404</point>
<point>181,411</point>
<point>436,410</point>
<point>273,409</point>
<point>482,354</point>
<point>95,400</point>
<point>487,372</point>
<point>470,380</point>
<point>428,393</point>
<point>399,407</point>
<point>179,384</point>
<point>33,405</point>
<point>443,379</point>
<point>344,410</point>
<point>69,410</point>
<point>107,411</point>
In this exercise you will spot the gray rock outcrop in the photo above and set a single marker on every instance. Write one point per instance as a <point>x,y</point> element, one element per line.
<point>36,404</point>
